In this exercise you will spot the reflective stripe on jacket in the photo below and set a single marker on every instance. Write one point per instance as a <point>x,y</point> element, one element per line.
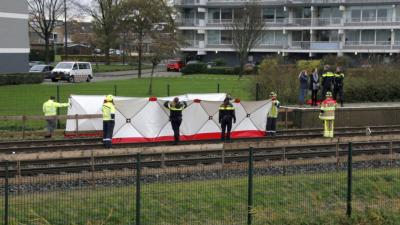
<point>273,113</point>
<point>175,110</point>
<point>108,109</point>
<point>328,107</point>
<point>50,107</point>
<point>226,112</point>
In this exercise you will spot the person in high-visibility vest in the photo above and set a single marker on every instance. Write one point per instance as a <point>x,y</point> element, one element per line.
<point>272,115</point>
<point>225,117</point>
<point>327,80</point>
<point>50,111</point>
<point>328,107</point>
<point>108,111</point>
<point>175,116</point>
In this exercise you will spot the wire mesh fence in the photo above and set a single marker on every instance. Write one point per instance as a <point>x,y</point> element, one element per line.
<point>238,190</point>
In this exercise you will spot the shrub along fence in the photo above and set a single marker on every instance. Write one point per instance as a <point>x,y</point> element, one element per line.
<point>283,191</point>
<point>21,78</point>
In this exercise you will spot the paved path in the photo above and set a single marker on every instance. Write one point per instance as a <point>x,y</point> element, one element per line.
<point>160,71</point>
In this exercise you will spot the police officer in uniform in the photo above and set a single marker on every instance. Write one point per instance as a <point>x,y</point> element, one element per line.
<point>50,111</point>
<point>327,80</point>
<point>338,85</point>
<point>226,115</point>
<point>175,115</point>
<point>108,110</point>
<point>272,115</point>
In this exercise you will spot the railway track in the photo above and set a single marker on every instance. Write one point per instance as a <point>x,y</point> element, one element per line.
<point>16,147</point>
<point>189,158</point>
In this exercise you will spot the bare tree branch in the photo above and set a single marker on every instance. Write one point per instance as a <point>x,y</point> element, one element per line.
<point>43,17</point>
<point>247,29</point>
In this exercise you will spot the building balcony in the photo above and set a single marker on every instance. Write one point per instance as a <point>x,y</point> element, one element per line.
<point>190,2</point>
<point>379,21</point>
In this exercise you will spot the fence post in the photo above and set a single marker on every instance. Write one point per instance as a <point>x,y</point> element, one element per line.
<point>6,189</point>
<point>250,189</point>
<point>167,89</point>
<point>23,126</point>
<point>218,88</point>
<point>257,91</point>
<point>115,90</point>
<point>349,179</point>
<point>138,206</point>
<point>58,109</point>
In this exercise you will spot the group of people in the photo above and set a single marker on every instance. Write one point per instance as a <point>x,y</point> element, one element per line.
<point>226,116</point>
<point>327,81</point>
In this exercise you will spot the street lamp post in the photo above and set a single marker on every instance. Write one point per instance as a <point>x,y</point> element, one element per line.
<point>65,31</point>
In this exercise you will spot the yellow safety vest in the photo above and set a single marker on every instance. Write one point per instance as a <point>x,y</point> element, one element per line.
<point>339,75</point>
<point>328,108</point>
<point>108,109</point>
<point>273,113</point>
<point>328,74</point>
<point>50,107</point>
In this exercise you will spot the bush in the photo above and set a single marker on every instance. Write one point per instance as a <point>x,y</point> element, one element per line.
<point>273,76</point>
<point>222,70</point>
<point>194,68</point>
<point>308,65</point>
<point>220,62</point>
<point>22,78</point>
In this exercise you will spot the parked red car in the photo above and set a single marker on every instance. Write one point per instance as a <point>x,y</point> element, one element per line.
<point>174,65</point>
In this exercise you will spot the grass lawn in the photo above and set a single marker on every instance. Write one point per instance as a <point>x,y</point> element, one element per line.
<point>295,199</point>
<point>28,99</point>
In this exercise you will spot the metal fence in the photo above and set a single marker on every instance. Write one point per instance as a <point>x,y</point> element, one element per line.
<point>287,190</point>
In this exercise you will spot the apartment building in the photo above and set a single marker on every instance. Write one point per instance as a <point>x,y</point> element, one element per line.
<point>304,28</point>
<point>14,41</point>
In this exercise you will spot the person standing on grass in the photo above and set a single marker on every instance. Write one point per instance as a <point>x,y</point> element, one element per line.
<point>108,111</point>
<point>225,117</point>
<point>50,111</point>
<point>175,116</point>
<point>303,78</point>
<point>272,115</point>
<point>314,87</point>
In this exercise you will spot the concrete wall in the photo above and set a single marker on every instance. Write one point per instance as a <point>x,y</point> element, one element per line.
<point>14,39</point>
<point>349,117</point>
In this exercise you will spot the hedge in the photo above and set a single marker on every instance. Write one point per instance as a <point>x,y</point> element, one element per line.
<point>198,68</point>
<point>101,58</point>
<point>21,78</point>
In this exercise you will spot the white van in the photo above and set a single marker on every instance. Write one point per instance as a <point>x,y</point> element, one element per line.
<point>72,72</point>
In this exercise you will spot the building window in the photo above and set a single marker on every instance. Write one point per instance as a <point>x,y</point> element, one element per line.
<point>352,36</point>
<point>268,38</point>
<point>213,37</point>
<point>280,38</point>
<point>356,15</point>
<point>368,37</point>
<point>213,15</point>
<point>269,14</point>
<point>369,15</point>
<point>383,15</point>
<point>280,14</point>
<point>226,37</point>
<point>226,14</point>
<point>383,37</point>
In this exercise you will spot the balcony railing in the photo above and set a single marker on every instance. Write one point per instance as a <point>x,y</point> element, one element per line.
<point>386,21</point>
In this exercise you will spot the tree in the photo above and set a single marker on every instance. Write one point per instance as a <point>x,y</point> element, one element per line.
<point>142,16</point>
<point>43,19</point>
<point>164,45</point>
<point>107,20</point>
<point>247,29</point>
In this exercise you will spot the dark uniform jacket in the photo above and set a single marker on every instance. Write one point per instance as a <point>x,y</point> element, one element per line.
<point>227,113</point>
<point>175,112</point>
<point>338,81</point>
